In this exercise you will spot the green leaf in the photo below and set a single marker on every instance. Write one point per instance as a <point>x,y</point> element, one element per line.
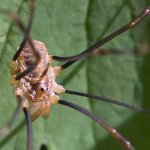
<point>68,27</point>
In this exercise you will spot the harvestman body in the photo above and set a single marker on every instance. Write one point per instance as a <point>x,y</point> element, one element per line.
<point>33,77</point>
<point>38,88</point>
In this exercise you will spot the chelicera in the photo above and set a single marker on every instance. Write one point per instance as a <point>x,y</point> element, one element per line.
<point>33,77</point>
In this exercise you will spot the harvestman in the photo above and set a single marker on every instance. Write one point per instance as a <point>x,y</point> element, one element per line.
<point>33,77</point>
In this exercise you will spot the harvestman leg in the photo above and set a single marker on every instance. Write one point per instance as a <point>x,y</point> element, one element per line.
<point>126,144</point>
<point>142,49</point>
<point>6,129</point>
<point>26,32</point>
<point>109,100</point>
<point>72,59</point>
<point>29,129</point>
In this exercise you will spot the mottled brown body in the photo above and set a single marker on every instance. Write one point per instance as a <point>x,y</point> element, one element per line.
<point>37,88</point>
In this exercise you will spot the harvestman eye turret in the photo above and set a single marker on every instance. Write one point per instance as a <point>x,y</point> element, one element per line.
<point>33,77</point>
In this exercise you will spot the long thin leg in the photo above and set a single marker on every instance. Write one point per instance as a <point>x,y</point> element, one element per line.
<point>72,59</point>
<point>108,100</point>
<point>28,123</point>
<point>25,39</point>
<point>14,115</point>
<point>5,130</point>
<point>29,126</point>
<point>26,32</point>
<point>18,21</point>
<point>29,129</point>
<point>125,143</point>
<point>142,49</point>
